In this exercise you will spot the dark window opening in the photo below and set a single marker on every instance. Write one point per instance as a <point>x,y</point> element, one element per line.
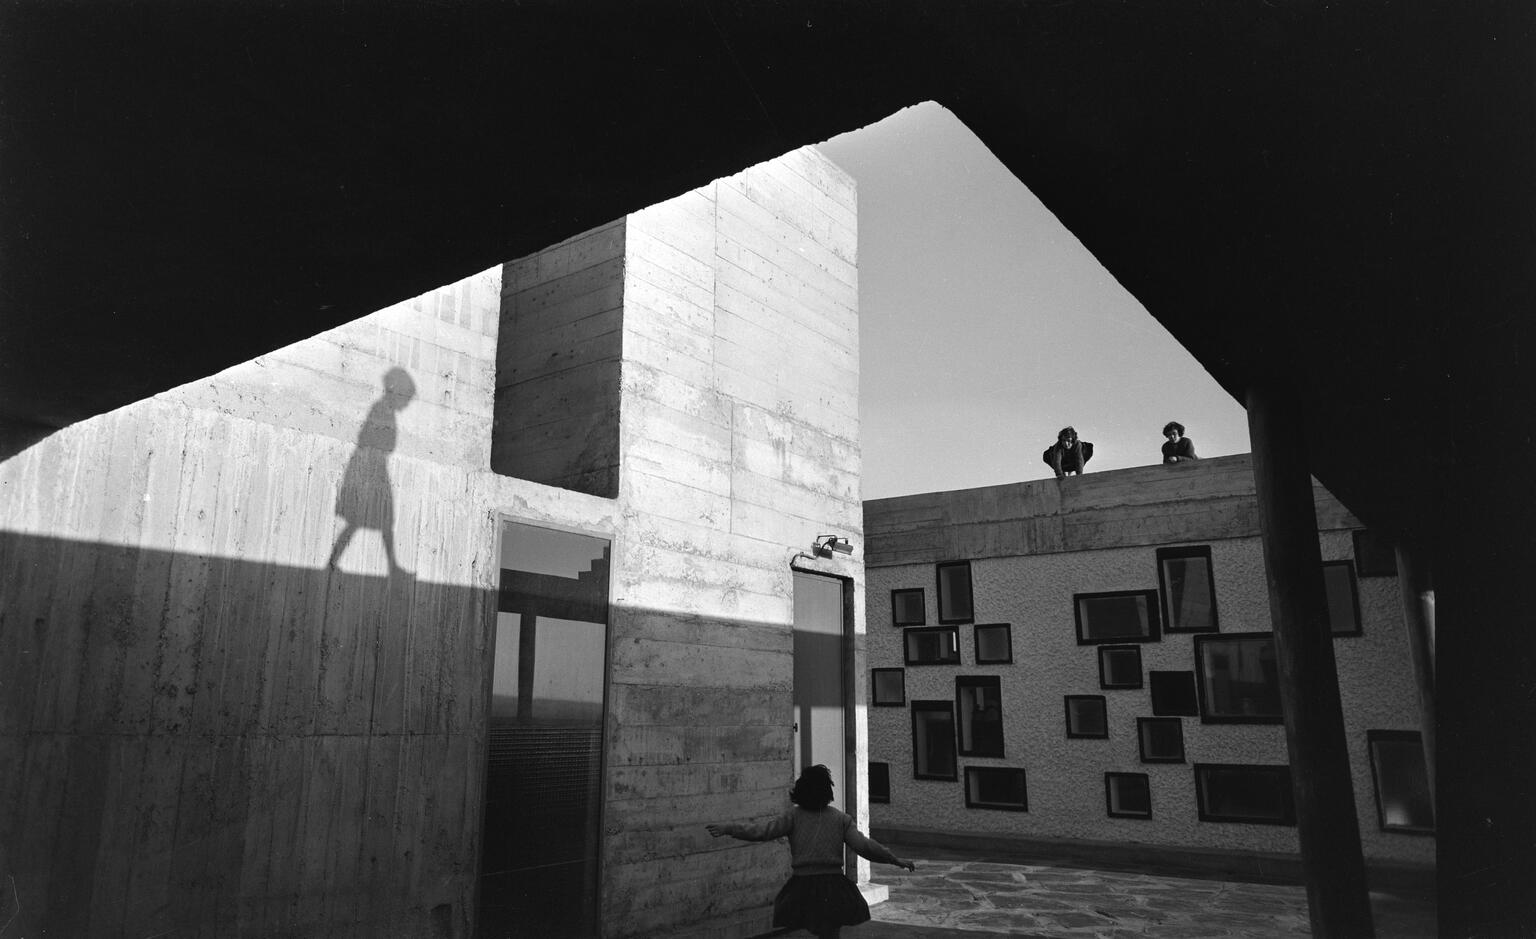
<point>955,602</point>
<point>1375,554</point>
<point>1239,679</point>
<point>932,645</point>
<point>979,702</point>
<point>996,787</point>
<point>1258,795</point>
<point>1119,666</point>
<point>888,687</point>
<point>1188,589</point>
<point>1117,616</point>
<point>1343,598</point>
<point>933,740</point>
<point>1173,694</point>
<point>1162,739</point>
<point>1086,716</point>
<point>1127,795</point>
<point>1401,781</point>
<point>994,644</point>
<point>880,782</point>
<point>908,607</point>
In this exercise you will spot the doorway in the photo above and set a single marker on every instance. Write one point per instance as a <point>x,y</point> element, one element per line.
<point>823,721</point>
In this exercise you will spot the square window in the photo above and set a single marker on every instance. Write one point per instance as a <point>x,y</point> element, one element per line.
<point>932,645</point>
<point>1162,739</point>
<point>996,787</point>
<point>1127,795</point>
<point>1187,588</point>
<point>955,592</point>
<point>1375,555</point>
<point>1401,781</point>
<point>1258,795</point>
<point>1173,694</point>
<point>880,782</point>
<point>1343,598</point>
<point>1239,679</point>
<point>888,687</point>
<point>1086,716</point>
<point>1117,616</point>
<point>1119,666</point>
<point>933,740</point>
<point>994,644</point>
<point>908,607</point>
<point>979,703</point>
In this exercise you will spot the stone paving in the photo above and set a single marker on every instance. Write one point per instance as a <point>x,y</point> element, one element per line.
<point>956,898</point>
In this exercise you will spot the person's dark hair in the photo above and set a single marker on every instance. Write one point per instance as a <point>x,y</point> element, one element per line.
<point>813,790</point>
<point>1064,432</point>
<point>1172,426</point>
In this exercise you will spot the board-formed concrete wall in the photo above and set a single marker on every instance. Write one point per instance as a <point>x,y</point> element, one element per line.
<point>222,713</point>
<point>1032,546</point>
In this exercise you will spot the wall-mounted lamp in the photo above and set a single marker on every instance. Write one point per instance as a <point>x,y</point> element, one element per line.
<point>826,545</point>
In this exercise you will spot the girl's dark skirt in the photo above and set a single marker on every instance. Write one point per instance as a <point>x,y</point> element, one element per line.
<point>819,902</point>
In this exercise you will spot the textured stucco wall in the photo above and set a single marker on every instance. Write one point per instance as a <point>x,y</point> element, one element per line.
<point>1065,777</point>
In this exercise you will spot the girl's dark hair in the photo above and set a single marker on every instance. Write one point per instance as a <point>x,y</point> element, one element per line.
<point>1064,433</point>
<point>1173,425</point>
<point>813,790</point>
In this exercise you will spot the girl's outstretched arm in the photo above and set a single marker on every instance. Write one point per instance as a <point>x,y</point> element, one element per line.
<point>867,847</point>
<point>747,831</point>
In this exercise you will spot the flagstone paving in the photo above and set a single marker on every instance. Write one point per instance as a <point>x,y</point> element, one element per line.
<point>956,898</point>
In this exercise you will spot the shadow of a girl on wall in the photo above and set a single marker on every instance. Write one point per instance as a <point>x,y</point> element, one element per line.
<point>366,498</point>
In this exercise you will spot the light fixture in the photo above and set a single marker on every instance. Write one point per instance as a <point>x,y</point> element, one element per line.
<point>826,545</point>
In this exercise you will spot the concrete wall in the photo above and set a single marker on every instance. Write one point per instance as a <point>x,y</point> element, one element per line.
<point>1032,546</point>
<point>557,382</point>
<point>221,716</point>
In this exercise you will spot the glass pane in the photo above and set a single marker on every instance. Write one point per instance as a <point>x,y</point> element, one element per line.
<point>540,845</point>
<point>1162,740</point>
<point>981,717</point>
<point>890,686</point>
<point>954,592</point>
<point>1339,584</point>
<point>907,607</point>
<point>1244,793</point>
<point>1085,717</point>
<point>1122,667</point>
<point>1191,603</point>
<point>1402,784</point>
<point>992,644</point>
<point>997,787</point>
<point>1114,617</point>
<point>1242,678</point>
<point>933,744</point>
<point>1129,795</point>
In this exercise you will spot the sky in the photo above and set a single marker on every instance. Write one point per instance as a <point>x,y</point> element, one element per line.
<point>985,326</point>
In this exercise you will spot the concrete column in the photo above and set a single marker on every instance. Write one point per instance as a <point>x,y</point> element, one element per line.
<point>1309,686</point>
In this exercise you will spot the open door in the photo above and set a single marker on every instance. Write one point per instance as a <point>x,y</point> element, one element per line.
<point>823,713</point>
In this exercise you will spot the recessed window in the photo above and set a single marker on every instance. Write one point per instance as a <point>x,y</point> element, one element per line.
<point>1173,694</point>
<point>1375,555</point>
<point>1258,795</point>
<point>1239,679</point>
<point>996,787</point>
<point>1343,598</point>
<point>1401,781</point>
<point>1188,589</point>
<point>1127,795</point>
<point>1162,739</point>
<point>888,687</point>
<point>1118,616</point>
<point>979,704</point>
<point>1119,666</point>
<point>880,782</point>
<point>907,607</point>
<point>1086,716</point>
<point>932,645</point>
<point>933,740</point>
<point>994,644</point>
<point>955,592</point>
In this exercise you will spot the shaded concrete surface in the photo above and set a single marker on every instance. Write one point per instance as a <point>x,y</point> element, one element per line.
<point>952,896</point>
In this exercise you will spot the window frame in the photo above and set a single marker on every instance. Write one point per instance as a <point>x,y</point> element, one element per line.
<point>1193,687</point>
<point>979,771</point>
<point>1104,681</point>
<point>1163,593</point>
<point>970,588</point>
<point>922,607</point>
<point>935,707</point>
<point>1372,738</point>
<point>1154,629</point>
<point>1281,771</point>
<point>1007,629</point>
<point>1143,723</point>
<point>1103,708</point>
<point>1109,795</point>
<point>874,694</point>
<point>1354,597</point>
<point>991,683</point>
<point>1207,714</point>
<point>906,647</point>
